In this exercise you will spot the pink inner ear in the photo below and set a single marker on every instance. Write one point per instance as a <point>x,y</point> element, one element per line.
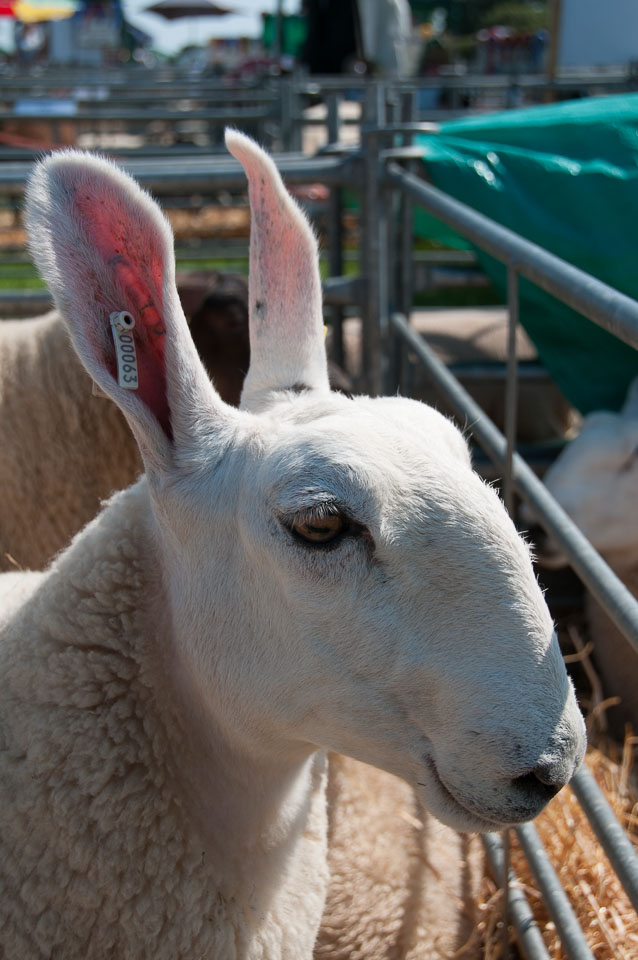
<point>130,250</point>
<point>283,254</point>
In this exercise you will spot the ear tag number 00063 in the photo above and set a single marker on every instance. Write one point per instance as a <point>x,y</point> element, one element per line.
<point>123,324</point>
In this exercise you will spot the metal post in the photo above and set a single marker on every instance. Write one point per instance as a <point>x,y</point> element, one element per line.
<point>554,46</point>
<point>389,288</point>
<point>399,248</point>
<point>527,933</point>
<point>511,387</point>
<point>615,842</point>
<point>285,118</point>
<point>555,898</point>
<point>332,105</point>
<point>290,116</point>
<point>382,276</point>
<point>406,242</point>
<point>406,257</point>
<point>371,241</point>
<point>335,235</point>
<point>296,118</point>
<point>279,31</point>
<point>404,279</point>
<point>612,594</point>
<point>506,886</point>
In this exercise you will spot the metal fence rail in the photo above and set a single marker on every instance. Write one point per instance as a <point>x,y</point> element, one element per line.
<point>519,912</point>
<point>387,191</point>
<point>274,107</point>
<point>205,176</point>
<point>607,307</point>
<point>612,837</point>
<point>619,315</point>
<point>560,909</point>
<point>170,82</point>
<point>612,593</point>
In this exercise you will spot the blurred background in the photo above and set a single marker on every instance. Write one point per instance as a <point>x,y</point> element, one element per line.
<point>412,133</point>
<point>364,37</point>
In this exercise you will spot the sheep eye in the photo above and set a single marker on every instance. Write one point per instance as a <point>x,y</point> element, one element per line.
<point>319,529</point>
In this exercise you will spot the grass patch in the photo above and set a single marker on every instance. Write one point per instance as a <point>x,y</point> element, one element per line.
<point>486,296</point>
<point>13,279</point>
<point>223,266</point>
<point>24,276</point>
<point>18,275</point>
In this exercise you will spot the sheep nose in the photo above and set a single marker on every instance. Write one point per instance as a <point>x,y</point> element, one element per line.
<point>546,777</point>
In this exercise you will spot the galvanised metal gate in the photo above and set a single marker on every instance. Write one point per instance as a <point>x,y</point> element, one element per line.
<point>397,189</point>
<point>383,294</point>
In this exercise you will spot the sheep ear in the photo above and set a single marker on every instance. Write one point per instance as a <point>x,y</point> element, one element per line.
<point>630,406</point>
<point>287,347</point>
<point>106,252</point>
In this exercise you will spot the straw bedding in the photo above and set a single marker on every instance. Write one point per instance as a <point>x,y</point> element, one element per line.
<point>603,909</point>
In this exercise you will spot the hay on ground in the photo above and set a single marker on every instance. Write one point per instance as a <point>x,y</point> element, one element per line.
<point>602,907</point>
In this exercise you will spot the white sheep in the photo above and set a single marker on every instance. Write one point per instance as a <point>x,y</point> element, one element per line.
<point>310,572</point>
<point>52,432</point>
<point>63,451</point>
<point>57,435</point>
<point>595,480</point>
<point>402,885</point>
<point>394,880</point>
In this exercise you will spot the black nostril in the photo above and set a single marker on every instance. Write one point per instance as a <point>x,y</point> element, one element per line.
<point>539,777</point>
<point>549,776</point>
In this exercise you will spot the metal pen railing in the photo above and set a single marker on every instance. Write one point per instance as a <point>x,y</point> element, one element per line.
<point>273,107</point>
<point>619,315</point>
<point>607,307</point>
<point>612,837</point>
<point>383,294</point>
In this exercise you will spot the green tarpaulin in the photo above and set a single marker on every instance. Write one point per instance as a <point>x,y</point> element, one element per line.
<point>566,177</point>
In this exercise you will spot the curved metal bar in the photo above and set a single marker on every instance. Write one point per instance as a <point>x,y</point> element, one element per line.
<point>202,175</point>
<point>614,596</point>
<point>613,839</point>
<point>607,307</point>
<point>527,933</point>
<point>560,909</point>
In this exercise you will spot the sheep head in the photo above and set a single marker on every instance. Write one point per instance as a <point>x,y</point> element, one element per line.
<point>337,575</point>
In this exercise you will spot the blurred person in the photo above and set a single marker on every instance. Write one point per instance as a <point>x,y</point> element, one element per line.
<point>386,27</point>
<point>332,44</point>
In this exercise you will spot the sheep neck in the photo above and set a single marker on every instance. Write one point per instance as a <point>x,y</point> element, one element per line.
<point>261,803</point>
<point>244,802</point>
<point>244,837</point>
